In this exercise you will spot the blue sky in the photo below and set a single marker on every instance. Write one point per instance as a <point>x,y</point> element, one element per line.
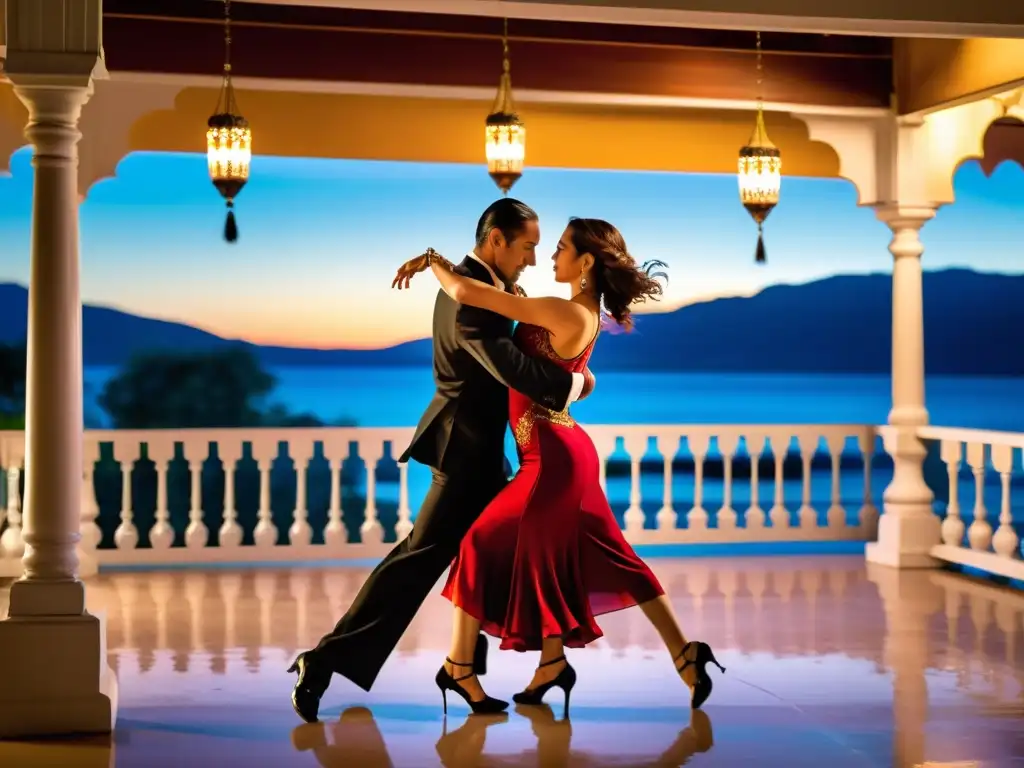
<point>320,239</point>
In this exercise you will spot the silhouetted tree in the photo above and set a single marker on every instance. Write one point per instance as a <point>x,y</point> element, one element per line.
<point>219,388</point>
<point>12,386</point>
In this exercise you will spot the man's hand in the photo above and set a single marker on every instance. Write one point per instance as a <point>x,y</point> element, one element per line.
<point>589,382</point>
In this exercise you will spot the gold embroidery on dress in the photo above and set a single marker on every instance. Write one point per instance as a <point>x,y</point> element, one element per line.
<point>524,427</point>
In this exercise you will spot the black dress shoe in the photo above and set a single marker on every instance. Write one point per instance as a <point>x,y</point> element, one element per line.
<point>310,686</point>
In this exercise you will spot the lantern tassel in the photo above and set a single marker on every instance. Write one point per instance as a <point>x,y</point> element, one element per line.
<point>230,226</point>
<point>759,254</point>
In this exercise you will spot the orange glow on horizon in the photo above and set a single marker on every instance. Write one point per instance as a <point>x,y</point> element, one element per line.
<point>311,328</point>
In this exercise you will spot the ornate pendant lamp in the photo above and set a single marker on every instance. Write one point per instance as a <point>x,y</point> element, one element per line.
<point>505,132</point>
<point>760,168</point>
<point>228,140</point>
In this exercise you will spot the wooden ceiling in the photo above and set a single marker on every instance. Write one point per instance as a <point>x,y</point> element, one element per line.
<point>328,44</point>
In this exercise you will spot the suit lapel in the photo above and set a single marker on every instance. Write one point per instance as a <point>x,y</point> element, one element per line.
<point>477,270</point>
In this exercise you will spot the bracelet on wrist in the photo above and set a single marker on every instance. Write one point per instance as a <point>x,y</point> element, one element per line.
<point>433,257</point>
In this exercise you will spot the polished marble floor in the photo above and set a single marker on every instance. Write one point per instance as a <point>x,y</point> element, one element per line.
<point>830,663</point>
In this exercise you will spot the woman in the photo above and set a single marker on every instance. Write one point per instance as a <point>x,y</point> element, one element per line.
<point>547,555</point>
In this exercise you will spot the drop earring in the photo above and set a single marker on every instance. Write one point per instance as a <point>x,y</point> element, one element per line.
<point>583,283</point>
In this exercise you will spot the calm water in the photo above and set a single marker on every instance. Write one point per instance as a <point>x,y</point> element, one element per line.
<point>378,397</point>
<point>396,397</point>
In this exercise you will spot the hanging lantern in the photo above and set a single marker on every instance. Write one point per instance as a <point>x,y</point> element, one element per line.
<point>760,170</point>
<point>505,133</point>
<point>228,140</point>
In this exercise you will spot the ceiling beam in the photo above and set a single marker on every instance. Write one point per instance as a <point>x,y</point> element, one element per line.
<point>885,18</point>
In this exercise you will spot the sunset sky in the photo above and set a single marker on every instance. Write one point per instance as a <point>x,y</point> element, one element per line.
<point>320,239</point>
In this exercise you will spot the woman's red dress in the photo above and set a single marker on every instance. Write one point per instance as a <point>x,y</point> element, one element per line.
<point>547,555</point>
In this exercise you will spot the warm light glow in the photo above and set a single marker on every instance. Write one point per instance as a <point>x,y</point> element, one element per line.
<point>760,178</point>
<point>506,148</point>
<point>229,152</point>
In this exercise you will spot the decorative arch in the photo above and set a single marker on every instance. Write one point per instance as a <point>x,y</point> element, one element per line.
<point>912,160</point>
<point>420,129</point>
<point>857,143</point>
<point>959,134</point>
<point>13,117</point>
<point>106,125</point>
<point>1003,142</point>
<point>164,115</point>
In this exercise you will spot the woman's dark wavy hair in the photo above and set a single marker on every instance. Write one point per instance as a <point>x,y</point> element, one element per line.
<point>618,280</point>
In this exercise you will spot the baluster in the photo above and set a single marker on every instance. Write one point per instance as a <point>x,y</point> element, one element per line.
<point>371,531</point>
<point>335,534</point>
<point>979,534</point>
<point>1005,541</point>
<point>230,452</point>
<point>808,445</point>
<point>836,515</point>
<point>868,515</point>
<point>780,447</point>
<point>697,518</point>
<point>265,534</point>
<point>636,446</point>
<point>127,535</point>
<point>604,444</point>
<point>300,534</point>
<point>668,447</point>
<point>951,452</point>
<point>11,542</point>
<point>754,516</point>
<point>90,532</point>
<point>404,525</point>
<point>197,534</point>
<point>161,536</point>
<point>727,446</point>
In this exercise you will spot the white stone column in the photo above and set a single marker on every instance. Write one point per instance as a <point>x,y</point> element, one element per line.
<point>908,527</point>
<point>56,679</point>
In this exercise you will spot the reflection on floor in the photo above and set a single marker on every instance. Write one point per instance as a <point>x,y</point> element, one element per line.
<point>831,663</point>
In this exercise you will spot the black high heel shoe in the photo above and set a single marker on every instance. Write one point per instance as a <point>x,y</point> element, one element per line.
<point>565,680</point>
<point>702,685</point>
<point>446,682</point>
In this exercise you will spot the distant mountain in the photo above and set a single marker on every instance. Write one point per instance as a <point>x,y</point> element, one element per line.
<point>973,323</point>
<point>111,337</point>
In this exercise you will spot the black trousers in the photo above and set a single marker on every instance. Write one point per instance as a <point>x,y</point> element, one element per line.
<point>389,599</point>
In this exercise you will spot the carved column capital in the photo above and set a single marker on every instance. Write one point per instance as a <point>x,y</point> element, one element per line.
<point>54,43</point>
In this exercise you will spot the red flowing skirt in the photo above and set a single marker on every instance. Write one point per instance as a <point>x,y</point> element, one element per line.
<point>547,556</point>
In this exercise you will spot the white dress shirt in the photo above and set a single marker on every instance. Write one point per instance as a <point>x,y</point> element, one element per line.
<point>577,378</point>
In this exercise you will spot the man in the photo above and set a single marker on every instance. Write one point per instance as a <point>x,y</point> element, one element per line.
<point>461,437</point>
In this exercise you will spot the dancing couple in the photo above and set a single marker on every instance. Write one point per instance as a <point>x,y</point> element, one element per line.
<point>536,558</point>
